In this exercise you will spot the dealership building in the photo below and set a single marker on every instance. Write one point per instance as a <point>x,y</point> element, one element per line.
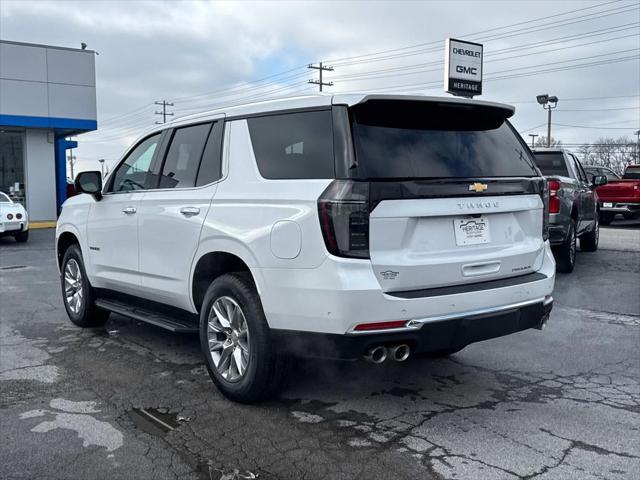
<point>47,94</point>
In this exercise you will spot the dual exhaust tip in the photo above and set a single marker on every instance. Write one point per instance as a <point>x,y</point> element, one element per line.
<point>380,354</point>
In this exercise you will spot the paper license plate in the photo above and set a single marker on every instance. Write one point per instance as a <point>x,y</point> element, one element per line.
<point>471,231</point>
<point>607,204</point>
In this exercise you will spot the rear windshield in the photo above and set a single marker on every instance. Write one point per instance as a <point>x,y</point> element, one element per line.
<point>632,173</point>
<point>404,139</point>
<point>552,163</point>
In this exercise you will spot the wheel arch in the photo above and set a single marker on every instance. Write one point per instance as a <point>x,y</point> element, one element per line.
<point>64,241</point>
<point>210,266</point>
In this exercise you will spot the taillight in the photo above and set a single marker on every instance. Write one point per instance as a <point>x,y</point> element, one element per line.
<point>554,199</point>
<point>363,327</point>
<point>545,210</point>
<point>9,216</point>
<point>344,218</point>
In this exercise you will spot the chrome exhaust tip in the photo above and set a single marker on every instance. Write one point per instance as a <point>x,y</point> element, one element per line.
<point>400,352</point>
<point>376,355</point>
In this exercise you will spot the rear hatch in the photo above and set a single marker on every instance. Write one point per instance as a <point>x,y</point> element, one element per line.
<point>454,194</point>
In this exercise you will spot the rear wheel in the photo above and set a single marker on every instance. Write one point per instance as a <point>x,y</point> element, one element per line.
<point>589,241</point>
<point>236,341</point>
<point>606,218</point>
<point>22,236</point>
<point>77,294</point>
<point>566,253</point>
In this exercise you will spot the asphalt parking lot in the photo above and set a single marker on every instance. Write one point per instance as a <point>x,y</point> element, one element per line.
<point>563,403</point>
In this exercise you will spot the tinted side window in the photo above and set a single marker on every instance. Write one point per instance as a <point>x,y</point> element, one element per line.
<point>293,145</point>
<point>211,165</point>
<point>552,163</point>
<point>183,156</point>
<point>134,172</point>
<point>581,173</point>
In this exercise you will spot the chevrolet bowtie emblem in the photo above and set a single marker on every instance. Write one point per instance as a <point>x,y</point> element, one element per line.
<point>478,187</point>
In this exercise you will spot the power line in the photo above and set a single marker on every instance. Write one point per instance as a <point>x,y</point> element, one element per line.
<point>411,47</point>
<point>524,31</point>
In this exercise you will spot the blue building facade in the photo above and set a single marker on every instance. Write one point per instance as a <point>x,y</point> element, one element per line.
<point>47,94</point>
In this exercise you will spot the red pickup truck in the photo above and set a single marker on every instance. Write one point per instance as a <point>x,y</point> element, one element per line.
<point>619,195</point>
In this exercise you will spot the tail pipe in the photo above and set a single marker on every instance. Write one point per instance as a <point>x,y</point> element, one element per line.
<point>376,354</point>
<point>400,352</point>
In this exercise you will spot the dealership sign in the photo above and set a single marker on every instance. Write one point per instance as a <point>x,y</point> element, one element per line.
<point>463,68</point>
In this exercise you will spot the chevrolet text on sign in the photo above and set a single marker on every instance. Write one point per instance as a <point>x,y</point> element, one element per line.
<point>463,68</point>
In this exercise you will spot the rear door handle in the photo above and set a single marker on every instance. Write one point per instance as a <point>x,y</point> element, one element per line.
<point>129,210</point>
<point>189,211</point>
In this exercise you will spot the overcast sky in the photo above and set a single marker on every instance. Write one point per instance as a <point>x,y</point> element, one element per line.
<point>192,53</point>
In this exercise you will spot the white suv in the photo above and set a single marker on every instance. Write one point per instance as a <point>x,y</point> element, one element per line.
<point>345,226</point>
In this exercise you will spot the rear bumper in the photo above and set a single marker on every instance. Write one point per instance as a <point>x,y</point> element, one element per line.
<point>343,293</point>
<point>11,228</point>
<point>621,207</point>
<point>428,336</point>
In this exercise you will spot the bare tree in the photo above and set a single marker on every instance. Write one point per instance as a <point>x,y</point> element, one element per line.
<point>615,153</point>
<point>542,142</point>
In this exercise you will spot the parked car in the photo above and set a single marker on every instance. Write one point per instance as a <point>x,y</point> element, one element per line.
<point>620,195</point>
<point>573,205</point>
<point>347,226</point>
<point>14,220</point>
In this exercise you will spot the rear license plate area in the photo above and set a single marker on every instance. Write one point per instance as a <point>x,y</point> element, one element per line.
<point>472,230</point>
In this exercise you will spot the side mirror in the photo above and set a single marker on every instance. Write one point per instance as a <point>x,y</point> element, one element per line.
<point>599,180</point>
<point>89,182</point>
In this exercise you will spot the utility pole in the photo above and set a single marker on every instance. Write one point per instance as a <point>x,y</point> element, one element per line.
<point>637,149</point>
<point>548,102</point>
<point>72,160</point>
<point>321,69</point>
<point>533,139</point>
<point>164,112</point>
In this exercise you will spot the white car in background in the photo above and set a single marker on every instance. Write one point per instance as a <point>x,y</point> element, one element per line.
<point>13,219</point>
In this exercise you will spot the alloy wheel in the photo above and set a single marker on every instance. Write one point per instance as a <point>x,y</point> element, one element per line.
<point>228,338</point>
<point>73,291</point>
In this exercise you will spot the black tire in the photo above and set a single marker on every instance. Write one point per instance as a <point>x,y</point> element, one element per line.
<point>264,370</point>
<point>22,236</point>
<point>87,314</point>
<point>566,253</point>
<point>589,241</point>
<point>606,218</point>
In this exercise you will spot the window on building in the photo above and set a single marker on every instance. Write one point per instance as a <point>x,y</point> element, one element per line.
<point>12,165</point>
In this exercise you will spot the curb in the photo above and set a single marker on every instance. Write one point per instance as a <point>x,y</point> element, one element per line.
<point>37,225</point>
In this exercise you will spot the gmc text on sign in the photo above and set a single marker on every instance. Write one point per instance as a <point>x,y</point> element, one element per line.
<point>463,68</point>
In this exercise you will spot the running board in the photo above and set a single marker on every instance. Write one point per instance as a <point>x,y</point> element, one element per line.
<point>148,316</point>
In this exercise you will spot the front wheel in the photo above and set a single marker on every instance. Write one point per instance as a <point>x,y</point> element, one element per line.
<point>77,294</point>
<point>236,341</point>
<point>589,241</point>
<point>566,253</point>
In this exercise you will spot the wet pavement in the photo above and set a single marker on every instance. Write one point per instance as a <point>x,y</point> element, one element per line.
<point>132,401</point>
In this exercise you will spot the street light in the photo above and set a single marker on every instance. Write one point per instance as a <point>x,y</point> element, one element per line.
<point>548,102</point>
